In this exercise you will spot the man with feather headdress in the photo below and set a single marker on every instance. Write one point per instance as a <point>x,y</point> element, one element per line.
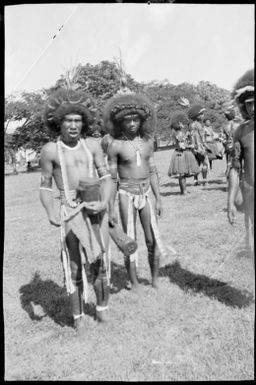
<point>242,157</point>
<point>79,170</point>
<point>130,119</point>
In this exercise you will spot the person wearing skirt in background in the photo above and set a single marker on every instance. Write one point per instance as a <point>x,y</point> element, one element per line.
<point>214,152</point>
<point>183,162</point>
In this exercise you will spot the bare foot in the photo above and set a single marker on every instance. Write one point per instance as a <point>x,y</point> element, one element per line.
<point>155,283</point>
<point>80,327</point>
<point>136,288</point>
<point>102,316</point>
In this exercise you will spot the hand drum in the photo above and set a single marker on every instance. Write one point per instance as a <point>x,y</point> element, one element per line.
<point>89,191</point>
<point>124,242</point>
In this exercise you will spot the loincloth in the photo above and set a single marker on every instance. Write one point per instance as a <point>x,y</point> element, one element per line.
<point>138,197</point>
<point>90,247</point>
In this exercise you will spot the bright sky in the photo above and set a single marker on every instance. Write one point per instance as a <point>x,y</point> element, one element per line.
<point>178,42</point>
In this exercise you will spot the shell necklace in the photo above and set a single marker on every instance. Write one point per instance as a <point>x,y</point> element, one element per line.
<point>136,148</point>
<point>63,170</point>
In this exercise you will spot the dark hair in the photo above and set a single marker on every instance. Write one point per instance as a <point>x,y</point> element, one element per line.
<point>64,102</point>
<point>70,109</point>
<point>246,80</point>
<point>230,115</point>
<point>131,103</point>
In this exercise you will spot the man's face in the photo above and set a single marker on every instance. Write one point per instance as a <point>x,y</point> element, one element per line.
<point>71,127</point>
<point>131,124</point>
<point>207,123</point>
<point>249,105</point>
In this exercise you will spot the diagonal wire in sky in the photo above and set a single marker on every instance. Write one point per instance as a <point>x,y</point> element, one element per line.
<point>45,49</point>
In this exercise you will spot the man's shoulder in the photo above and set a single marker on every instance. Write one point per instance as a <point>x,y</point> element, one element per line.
<point>92,144</point>
<point>49,148</point>
<point>115,144</point>
<point>239,130</point>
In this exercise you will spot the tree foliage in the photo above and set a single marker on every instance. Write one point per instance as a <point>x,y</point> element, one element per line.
<point>166,98</point>
<point>102,81</point>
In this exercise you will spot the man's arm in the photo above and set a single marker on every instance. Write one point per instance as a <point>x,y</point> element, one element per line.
<point>104,175</point>
<point>154,182</point>
<point>112,161</point>
<point>233,179</point>
<point>233,185</point>
<point>46,196</point>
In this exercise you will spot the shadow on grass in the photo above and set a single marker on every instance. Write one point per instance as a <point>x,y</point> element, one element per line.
<point>215,188</point>
<point>213,288</point>
<point>53,300</point>
<point>217,181</point>
<point>167,194</point>
<point>119,278</point>
<point>243,253</point>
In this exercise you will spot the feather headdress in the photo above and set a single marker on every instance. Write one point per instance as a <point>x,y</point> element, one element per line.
<point>177,119</point>
<point>195,111</point>
<point>244,90</point>
<point>184,102</point>
<point>69,99</point>
<point>127,102</point>
<point>244,87</point>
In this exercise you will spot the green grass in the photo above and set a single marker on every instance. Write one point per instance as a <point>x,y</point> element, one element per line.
<point>199,325</point>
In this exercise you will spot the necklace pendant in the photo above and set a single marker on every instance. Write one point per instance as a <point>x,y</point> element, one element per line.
<point>138,158</point>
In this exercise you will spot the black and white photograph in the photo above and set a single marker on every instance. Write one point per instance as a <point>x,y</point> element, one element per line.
<point>128,249</point>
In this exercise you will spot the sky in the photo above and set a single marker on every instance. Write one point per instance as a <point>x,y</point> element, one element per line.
<point>177,42</point>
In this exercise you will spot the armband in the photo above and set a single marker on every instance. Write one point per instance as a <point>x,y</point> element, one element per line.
<point>114,179</point>
<point>235,157</point>
<point>105,176</point>
<point>152,170</point>
<point>103,172</point>
<point>45,188</point>
<point>46,183</point>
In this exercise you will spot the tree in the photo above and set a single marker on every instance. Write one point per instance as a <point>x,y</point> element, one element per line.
<point>25,109</point>
<point>102,81</point>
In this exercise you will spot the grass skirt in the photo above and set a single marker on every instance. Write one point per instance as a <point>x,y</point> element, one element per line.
<point>183,163</point>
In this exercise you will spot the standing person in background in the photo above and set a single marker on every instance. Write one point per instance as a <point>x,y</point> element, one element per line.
<point>183,162</point>
<point>196,114</point>
<point>80,173</point>
<point>210,141</point>
<point>131,120</point>
<point>242,158</point>
<point>228,134</point>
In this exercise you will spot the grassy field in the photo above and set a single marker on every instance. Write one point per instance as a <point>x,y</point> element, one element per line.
<point>199,324</point>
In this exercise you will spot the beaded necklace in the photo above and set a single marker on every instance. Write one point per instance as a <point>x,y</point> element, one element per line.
<point>136,148</point>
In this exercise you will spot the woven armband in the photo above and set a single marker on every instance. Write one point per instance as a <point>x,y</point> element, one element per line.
<point>46,183</point>
<point>103,172</point>
<point>45,188</point>
<point>152,169</point>
<point>114,179</point>
<point>236,155</point>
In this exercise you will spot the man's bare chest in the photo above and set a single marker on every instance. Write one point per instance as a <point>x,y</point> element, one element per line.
<point>247,140</point>
<point>129,150</point>
<point>72,157</point>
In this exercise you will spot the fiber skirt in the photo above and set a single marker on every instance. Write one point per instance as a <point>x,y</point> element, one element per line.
<point>183,163</point>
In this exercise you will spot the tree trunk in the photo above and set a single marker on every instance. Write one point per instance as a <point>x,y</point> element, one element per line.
<point>14,163</point>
